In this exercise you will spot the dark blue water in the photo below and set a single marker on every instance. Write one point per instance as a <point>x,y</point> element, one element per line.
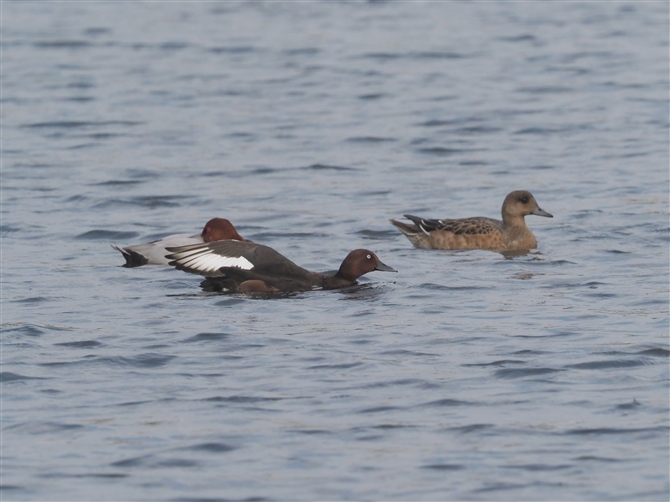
<point>466,376</point>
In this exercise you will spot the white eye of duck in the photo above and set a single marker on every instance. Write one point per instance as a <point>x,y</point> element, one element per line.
<point>369,257</point>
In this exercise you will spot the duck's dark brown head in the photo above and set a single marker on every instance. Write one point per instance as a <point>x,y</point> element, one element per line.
<point>220,229</point>
<point>360,262</point>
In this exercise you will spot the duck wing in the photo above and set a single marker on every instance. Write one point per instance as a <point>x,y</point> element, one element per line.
<point>463,226</point>
<point>208,259</point>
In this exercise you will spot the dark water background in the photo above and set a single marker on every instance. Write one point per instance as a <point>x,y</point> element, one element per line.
<point>466,376</point>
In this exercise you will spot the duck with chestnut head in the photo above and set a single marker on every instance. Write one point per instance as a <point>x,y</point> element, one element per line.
<point>247,267</point>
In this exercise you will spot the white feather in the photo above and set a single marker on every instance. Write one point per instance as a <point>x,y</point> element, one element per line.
<point>155,251</point>
<point>204,260</point>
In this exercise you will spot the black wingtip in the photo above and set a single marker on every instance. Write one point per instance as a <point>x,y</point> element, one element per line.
<point>415,219</point>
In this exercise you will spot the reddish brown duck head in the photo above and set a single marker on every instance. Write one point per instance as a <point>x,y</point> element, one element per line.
<point>220,229</point>
<point>360,262</point>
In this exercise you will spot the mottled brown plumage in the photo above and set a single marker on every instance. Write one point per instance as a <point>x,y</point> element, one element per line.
<point>510,234</point>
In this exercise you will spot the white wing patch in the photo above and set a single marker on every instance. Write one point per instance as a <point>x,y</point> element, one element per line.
<point>205,261</point>
<point>211,262</point>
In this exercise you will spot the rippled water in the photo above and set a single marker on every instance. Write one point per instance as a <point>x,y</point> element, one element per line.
<point>466,376</point>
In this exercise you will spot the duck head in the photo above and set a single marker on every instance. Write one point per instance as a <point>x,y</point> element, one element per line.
<point>360,262</point>
<point>521,203</point>
<point>220,229</point>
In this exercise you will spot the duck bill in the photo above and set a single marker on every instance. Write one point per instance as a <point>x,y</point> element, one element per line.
<point>542,212</point>
<point>382,267</point>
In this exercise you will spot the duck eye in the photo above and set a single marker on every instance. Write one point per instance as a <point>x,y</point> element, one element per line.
<point>524,200</point>
<point>369,257</point>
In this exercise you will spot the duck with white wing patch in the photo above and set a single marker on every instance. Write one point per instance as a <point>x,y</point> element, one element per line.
<point>253,268</point>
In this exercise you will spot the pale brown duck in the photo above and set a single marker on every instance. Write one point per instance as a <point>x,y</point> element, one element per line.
<point>510,234</point>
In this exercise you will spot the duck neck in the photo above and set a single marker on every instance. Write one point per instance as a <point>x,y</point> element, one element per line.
<point>336,280</point>
<point>513,221</point>
<point>347,273</point>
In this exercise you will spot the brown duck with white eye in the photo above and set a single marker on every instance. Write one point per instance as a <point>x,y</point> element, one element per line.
<point>248,267</point>
<point>153,253</point>
<point>510,234</point>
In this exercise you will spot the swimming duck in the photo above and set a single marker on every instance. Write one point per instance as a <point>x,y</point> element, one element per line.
<point>153,253</point>
<point>510,234</point>
<point>247,267</point>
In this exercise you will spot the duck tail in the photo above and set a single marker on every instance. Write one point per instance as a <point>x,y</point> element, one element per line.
<point>133,259</point>
<point>405,228</point>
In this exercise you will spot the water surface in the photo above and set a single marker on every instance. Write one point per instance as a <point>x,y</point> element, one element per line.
<point>466,376</point>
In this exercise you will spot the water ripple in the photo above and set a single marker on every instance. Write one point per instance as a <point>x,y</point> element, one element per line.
<point>107,235</point>
<point>208,337</point>
<point>444,467</point>
<point>212,447</point>
<point>618,363</point>
<point>148,360</point>
<point>7,376</point>
<point>524,372</point>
